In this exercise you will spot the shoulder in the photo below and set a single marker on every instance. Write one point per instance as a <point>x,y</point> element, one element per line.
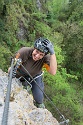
<point>25,49</point>
<point>25,52</point>
<point>47,56</point>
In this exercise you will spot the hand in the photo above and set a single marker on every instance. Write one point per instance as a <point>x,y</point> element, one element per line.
<point>13,73</point>
<point>17,63</point>
<point>16,66</point>
<point>50,48</point>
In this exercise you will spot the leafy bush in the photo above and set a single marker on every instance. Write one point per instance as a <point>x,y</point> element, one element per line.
<point>4,58</point>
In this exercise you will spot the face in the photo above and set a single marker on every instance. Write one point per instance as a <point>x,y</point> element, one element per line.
<point>37,55</point>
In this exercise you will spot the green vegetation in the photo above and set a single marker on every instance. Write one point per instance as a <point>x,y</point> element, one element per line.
<point>23,21</point>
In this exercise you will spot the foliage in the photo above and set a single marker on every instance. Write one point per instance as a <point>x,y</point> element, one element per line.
<point>62,23</point>
<point>77,14</point>
<point>20,44</point>
<point>72,30</point>
<point>73,47</point>
<point>55,6</point>
<point>4,58</point>
<point>63,96</point>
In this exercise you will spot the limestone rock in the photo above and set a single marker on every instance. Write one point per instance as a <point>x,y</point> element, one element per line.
<point>21,108</point>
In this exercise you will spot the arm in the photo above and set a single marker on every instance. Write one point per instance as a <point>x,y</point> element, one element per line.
<point>53,65</point>
<point>53,62</point>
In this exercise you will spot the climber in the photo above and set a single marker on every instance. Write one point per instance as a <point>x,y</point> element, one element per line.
<point>34,59</point>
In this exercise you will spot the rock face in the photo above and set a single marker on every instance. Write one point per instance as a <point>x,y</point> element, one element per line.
<point>21,108</point>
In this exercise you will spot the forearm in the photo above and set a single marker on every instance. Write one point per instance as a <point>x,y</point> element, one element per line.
<point>53,64</point>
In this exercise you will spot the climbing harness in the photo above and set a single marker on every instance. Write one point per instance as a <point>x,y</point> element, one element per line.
<point>14,67</point>
<point>28,84</point>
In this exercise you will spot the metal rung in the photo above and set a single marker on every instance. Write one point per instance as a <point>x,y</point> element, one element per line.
<point>29,86</point>
<point>64,122</point>
<point>29,83</point>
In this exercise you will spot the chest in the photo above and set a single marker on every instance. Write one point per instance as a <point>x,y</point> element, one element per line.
<point>31,64</point>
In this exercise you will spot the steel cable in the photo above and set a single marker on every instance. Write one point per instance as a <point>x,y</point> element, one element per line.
<point>62,116</point>
<point>6,106</point>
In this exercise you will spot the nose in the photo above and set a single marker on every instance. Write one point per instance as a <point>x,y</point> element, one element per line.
<point>37,55</point>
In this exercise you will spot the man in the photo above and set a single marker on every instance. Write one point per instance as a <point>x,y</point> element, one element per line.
<point>34,59</point>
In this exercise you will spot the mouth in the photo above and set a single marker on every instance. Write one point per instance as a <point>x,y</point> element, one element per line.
<point>35,58</point>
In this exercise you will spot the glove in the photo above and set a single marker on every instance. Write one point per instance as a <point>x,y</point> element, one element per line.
<point>16,65</point>
<point>13,73</point>
<point>50,48</point>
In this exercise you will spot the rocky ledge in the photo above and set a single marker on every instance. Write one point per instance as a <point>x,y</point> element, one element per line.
<point>21,108</point>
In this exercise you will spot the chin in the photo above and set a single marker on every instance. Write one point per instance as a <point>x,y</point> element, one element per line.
<point>35,59</point>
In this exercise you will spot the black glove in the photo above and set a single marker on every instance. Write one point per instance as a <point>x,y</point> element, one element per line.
<point>50,48</point>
